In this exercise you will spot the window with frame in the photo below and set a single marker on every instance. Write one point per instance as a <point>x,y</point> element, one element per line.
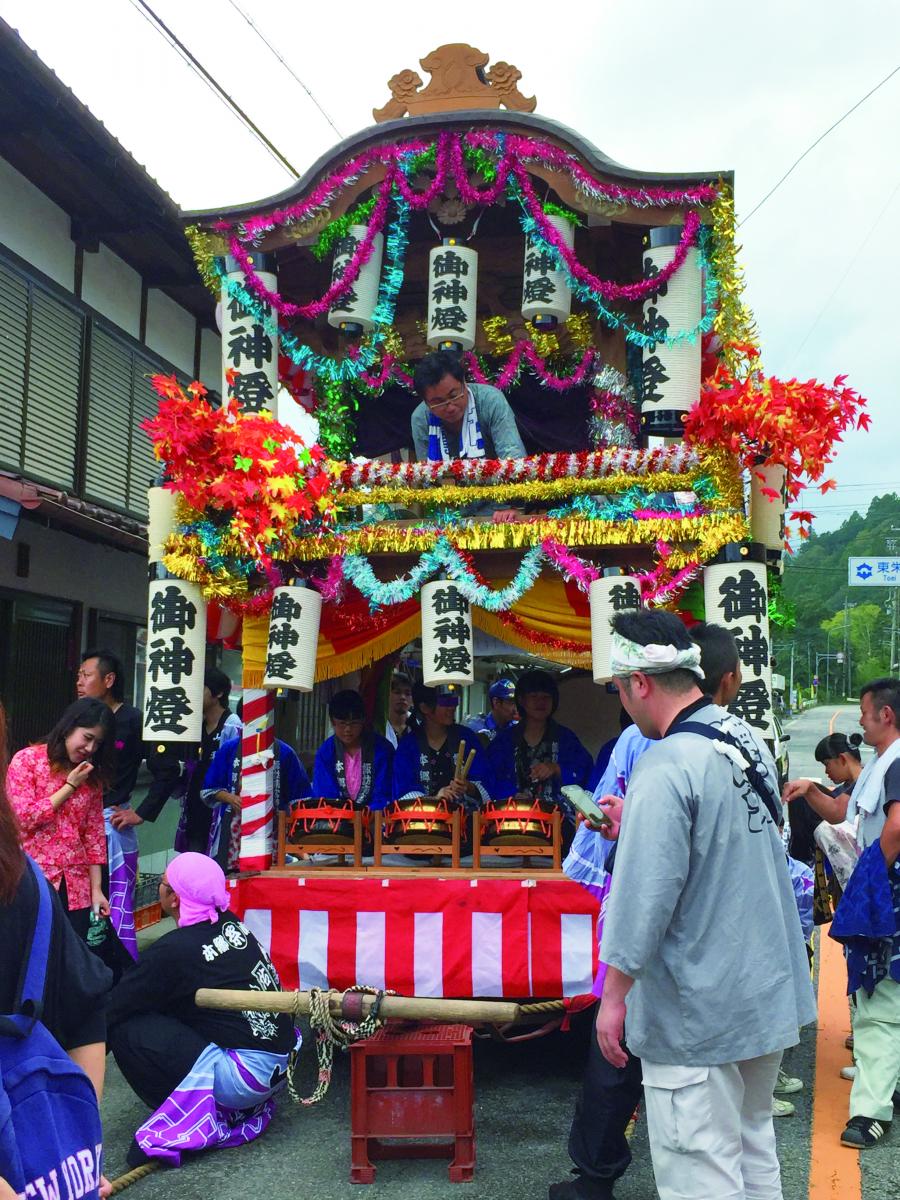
<point>41,356</point>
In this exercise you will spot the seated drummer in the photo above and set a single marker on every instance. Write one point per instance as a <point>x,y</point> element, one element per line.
<point>355,765</point>
<point>221,792</point>
<point>460,420</point>
<point>502,712</point>
<point>538,756</point>
<point>425,760</point>
<point>208,1074</point>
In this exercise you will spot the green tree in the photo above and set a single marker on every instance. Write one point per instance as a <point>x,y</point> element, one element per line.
<point>815,583</point>
<point>865,630</point>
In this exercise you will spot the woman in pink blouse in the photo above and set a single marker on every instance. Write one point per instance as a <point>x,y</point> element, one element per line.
<point>56,790</point>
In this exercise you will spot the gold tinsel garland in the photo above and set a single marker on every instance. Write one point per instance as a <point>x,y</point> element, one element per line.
<point>451,496</point>
<point>734,321</point>
<point>709,534</point>
<point>206,247</point>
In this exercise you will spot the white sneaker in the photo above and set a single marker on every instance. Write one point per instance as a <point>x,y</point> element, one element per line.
<point>782,1108</point>
<point>787,1084</point>
<point>848,1072</point>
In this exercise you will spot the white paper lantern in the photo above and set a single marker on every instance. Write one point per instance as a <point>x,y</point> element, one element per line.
<point>671,372</point>
<point>766,510</point>
<point>452,295</point>
<point>293,639</point>
<point>355,310</point>
<point>249,350</point>
<point>176,662</point>
<point>160,521</point>
<point>448,653</point>
<point>545,291</point>
<point>736,597</point>
<point>608,596</point>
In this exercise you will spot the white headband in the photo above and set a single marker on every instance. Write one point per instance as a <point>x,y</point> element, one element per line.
<point>628,657</point>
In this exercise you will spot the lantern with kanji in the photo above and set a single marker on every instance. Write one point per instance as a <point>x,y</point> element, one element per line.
<point>249,341</point>
<point>354,311</point>
<point>176,662</point>
<point>160,521</point>
<point>670,370</point>
<point>768,492</point>
<point>736,596</point>
<point>448,652</point>
<point>546,295</point>
<point>452,293</point>
<point>612,594</point>
<point>293,639</point>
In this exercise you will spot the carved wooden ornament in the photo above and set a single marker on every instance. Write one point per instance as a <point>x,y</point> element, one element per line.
<point>458,81</point>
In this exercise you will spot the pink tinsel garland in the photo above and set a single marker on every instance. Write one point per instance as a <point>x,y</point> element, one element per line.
<point>521,148</point>
<point>525,348</point>
<point>450,160</point>
<point>604,287</point>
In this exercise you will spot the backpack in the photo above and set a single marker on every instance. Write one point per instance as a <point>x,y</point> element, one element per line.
<point>50,1134</point>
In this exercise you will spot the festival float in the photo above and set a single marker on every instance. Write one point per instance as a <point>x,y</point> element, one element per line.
<point>606,304</point>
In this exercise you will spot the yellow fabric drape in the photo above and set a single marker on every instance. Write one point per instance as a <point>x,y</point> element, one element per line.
<point>255,641</point>
<point>547,609</point>
<point>330,664</point>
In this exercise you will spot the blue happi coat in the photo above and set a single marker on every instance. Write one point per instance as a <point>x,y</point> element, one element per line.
<point>376,788</point>
<point>290,783</point>
<point>421,771</point>
<point>510,759</point>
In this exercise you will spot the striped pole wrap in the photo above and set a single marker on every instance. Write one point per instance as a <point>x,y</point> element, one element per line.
<point>257,757</point>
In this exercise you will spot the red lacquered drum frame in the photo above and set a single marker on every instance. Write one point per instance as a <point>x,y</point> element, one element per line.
<point>421,826</point>
<point>322,827</point>
<point>516,828</point>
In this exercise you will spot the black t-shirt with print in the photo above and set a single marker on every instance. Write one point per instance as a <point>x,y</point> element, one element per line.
<point>892,785</point>
<point>220,954</point>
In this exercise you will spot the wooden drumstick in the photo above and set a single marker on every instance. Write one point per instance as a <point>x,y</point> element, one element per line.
<point>466,767</point>
<point>460,751</point>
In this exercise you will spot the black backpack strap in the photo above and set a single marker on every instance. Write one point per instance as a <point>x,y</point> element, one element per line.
<point>32,989</point>
<point>752,772</point>
<point>29,1000</point>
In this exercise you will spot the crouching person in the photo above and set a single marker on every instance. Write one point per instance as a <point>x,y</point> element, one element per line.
<point>209,1075</point>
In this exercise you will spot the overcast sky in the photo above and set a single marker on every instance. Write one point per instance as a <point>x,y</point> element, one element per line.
<point>702,85</point>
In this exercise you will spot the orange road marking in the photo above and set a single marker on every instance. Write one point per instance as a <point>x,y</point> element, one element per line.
<point>833,1169</point>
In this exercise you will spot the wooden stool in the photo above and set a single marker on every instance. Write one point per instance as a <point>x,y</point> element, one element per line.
<point>409,1086</point>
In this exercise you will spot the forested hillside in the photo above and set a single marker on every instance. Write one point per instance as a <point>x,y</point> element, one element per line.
<point>816,589</point>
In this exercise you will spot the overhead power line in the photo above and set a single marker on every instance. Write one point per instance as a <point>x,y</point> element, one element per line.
<point>162,28</point>
<point>820,138</point>
<point>296,78</point>
<point>852,263</point>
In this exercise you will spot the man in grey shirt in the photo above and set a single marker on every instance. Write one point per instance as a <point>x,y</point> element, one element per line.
<point>707,968</point>
<point>460,420</point>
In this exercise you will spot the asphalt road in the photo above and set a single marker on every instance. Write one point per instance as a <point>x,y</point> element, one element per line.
<point>524,1099</point>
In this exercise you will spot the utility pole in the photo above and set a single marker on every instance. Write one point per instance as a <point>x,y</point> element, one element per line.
<point>895,596</point>
<point>846,645</point>
<point>790,695</point>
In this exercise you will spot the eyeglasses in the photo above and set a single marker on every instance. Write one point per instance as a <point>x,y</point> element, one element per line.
<point>451,399</point>
<point>348,724</point>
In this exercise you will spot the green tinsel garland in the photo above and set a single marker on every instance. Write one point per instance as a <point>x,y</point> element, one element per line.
<point>557,210</point>
<point>334,413</point>
<point>358,215</point>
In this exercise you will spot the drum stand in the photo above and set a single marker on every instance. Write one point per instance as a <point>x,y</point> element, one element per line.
<point>512,847</point>
<point>433,849</point>
<point>323,843</point>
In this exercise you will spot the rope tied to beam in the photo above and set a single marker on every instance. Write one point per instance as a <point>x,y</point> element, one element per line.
<point>333,1032</point>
